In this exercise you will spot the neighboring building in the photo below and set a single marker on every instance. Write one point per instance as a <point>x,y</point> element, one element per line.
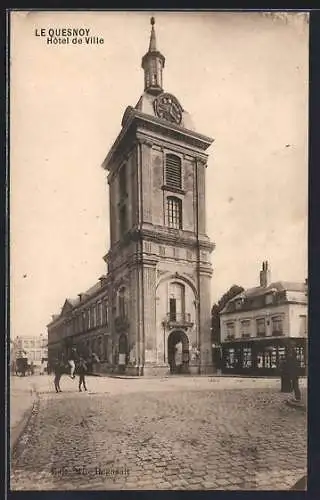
<point>156,294</point>
<point>258,324</point>
<point>35,348</point>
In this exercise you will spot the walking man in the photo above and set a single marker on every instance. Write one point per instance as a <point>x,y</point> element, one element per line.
<point>82,368</point>
<point>292,367</point>
<point>57,374</point>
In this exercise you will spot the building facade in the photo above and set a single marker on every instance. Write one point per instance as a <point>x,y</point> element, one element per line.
<point>259,324</point>
<point>156,292</point>
<point>34,348</point>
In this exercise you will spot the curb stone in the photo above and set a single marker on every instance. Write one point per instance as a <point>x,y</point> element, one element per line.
<point>17,431</point>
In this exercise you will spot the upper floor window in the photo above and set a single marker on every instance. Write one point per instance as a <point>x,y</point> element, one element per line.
<point>230,329</point>
<point>123,219</point>
<point>123,181</point>
<point>176,301</point>
<point>105,312</point>
<point>303,325</point>
<point>173,171</point>
<point>245,328</point>
<point>122,303</point>
<point>261,327</point>
<point>174,212</point>
<point>277,325</point>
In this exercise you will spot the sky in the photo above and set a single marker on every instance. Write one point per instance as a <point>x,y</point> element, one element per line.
<point>243,77</point>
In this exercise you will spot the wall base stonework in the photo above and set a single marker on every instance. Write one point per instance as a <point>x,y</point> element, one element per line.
<point>156,370</point>
<point>207,369</point>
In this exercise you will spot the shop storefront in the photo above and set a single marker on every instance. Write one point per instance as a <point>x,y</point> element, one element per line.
<point>261,356</point>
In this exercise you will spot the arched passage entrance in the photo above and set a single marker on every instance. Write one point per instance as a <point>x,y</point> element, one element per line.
<point>178,352</point>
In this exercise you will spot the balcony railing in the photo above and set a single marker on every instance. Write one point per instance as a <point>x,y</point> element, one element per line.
<point>178,319</point>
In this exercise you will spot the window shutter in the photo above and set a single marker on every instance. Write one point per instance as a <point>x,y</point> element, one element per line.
<point>173,171</point>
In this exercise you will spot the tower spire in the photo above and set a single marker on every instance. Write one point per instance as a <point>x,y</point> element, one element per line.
<point>153,41</point>
<point>153,64</point>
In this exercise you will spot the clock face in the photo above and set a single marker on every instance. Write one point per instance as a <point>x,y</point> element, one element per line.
<point>166,106</point>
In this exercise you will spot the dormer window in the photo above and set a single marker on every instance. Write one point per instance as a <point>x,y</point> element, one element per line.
<point>238,303</point>
<point>269,298</point>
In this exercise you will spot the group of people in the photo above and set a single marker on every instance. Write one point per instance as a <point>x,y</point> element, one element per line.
<point>76,364</point>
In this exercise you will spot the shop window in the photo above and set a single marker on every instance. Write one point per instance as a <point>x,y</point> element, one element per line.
<point>230,358</point>
<point>246,357</point>
<point>281,355</point>
<point>300,356</point>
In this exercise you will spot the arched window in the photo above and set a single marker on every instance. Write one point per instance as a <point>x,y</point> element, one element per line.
<point>123,219</point>
<point>122,303</point>
<point>173,171</point>
<point>123,181</point>
<point>174,212</point>
<point>176,301</point>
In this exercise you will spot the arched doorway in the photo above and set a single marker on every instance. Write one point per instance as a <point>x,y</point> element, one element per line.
<point>178,352</point>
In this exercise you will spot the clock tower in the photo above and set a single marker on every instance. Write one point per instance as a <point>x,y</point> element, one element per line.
<point>159,269</point>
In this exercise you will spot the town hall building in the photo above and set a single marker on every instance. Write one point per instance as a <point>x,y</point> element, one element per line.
<point>150,313</point>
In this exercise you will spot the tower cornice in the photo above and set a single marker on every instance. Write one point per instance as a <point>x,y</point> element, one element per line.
<point>139,126</point>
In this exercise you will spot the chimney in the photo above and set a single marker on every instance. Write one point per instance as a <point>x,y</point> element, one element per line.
<point>265,274</point>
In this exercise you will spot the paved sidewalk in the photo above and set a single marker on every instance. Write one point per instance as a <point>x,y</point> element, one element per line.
<point>22,397</point>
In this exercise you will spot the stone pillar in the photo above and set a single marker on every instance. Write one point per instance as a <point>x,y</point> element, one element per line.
<point>205,343</point>
<point>149,299</point>
<point>146,181</point>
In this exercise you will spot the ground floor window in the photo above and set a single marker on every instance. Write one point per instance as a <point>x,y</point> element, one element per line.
<point>232,358</point>
<point>260,356</point>
<point>301,356</point>
<point>267,358</point>
<point>246,357</point>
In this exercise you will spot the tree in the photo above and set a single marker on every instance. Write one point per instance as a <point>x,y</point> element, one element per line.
<point>217,308</point>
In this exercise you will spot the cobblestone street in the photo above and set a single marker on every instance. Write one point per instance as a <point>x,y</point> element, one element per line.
<point>171,433</point>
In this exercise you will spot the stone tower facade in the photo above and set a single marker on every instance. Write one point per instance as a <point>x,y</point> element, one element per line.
<point>159,269</point>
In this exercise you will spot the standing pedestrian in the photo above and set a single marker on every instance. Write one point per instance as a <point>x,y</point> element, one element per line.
<point>292,368</point>
<point>57,368</point>
<point>72,362</point>
<point>82,369</point>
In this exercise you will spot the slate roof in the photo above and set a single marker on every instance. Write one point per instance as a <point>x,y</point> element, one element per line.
<point>260,291</point>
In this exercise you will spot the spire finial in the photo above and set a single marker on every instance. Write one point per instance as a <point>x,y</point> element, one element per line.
<point>153,43</point>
